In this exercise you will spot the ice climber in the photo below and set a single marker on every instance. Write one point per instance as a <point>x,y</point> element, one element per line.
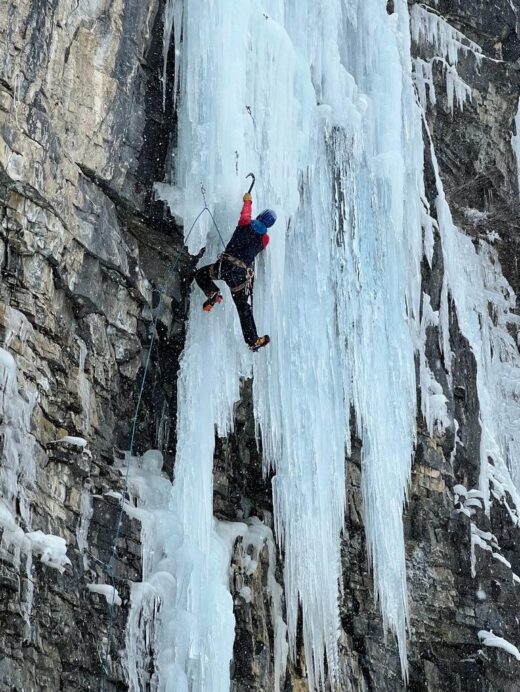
<point>235,267</point>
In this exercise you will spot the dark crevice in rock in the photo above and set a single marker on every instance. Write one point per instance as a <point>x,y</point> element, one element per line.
<point>137,221</point>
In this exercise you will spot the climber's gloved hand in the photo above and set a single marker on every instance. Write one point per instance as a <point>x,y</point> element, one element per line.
<point>247,197</point>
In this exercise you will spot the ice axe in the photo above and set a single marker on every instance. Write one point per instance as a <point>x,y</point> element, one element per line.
<point>251,175</point>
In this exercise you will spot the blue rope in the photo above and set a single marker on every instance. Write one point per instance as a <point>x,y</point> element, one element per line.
<point>109,566</point>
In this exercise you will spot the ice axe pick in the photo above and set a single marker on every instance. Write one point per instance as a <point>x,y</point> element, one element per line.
<point>251,175</point>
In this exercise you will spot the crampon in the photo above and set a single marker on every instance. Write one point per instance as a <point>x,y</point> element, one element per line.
<point>260,342</point>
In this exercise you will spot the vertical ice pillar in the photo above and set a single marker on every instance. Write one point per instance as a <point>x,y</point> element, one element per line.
<point>515,143</point>
<point>318,101</point>
<point>17,464</point>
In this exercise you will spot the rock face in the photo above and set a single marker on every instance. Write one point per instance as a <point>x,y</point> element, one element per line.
<point>83,136</point>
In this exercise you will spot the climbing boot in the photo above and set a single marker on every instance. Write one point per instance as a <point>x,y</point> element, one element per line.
<point>260,342</point>
<point>212,300</point>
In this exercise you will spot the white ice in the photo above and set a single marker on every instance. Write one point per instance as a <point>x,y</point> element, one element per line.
<point>51,549</point>
<point>318,101</point>
<point>109,592</point>
<point>515,143</point>
<point>18,397</point>
<point>84,386</point>
<point>484,304</point>
<point>190,633</point>
<point>86,512</point>
<point>429,27</point>
<point>490,639</point>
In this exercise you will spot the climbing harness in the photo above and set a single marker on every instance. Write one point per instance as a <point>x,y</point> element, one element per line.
<point>250,274</point>
<point>109,565</point>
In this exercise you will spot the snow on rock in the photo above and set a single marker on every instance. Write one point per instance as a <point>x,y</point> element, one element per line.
<point>245,593</point>
<point>74,441</point>
<point>490,639</point>
<point>484,540</point>
<point>51,549</point>
<point>109,592</point>
<point>459,490</point>
<point>502,559</point>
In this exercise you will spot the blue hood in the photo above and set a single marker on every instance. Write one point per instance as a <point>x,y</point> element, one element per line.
<point>258,227</point>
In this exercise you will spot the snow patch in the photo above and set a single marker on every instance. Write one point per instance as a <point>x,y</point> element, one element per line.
<point>74,441</point>
<point>490,639</point>
<point>51,549</point>
<point>109,592</point>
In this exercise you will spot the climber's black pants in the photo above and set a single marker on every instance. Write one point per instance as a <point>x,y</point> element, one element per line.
<point>233,276</point>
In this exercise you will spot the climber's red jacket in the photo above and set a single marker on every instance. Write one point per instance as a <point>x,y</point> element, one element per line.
<point>246,243</point>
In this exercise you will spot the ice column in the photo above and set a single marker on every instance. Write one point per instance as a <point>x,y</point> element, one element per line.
<point>515,143</point>
<point>17,467</point>
<point>317,100</point>
<point>485,302</point>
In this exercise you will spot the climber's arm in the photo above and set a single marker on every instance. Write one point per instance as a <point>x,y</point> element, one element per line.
<point>247,210</point>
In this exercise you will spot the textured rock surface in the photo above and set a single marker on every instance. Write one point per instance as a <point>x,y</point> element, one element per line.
<point>82,244</point>
<point>82,138</point>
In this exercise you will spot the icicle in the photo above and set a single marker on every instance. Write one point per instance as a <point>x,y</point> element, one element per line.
<point>485,305</point>
<point>86,512</point>
<point>448,43</point>
<point>423,78</point>
<point>84,386</point>
<point>168,22</point>
<point>428,25</point>
<point>515,143</point>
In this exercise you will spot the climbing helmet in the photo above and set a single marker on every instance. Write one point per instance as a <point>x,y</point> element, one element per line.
<point>267,217</point>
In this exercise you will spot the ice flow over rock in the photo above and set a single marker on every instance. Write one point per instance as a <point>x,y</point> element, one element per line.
<point>317,99</point>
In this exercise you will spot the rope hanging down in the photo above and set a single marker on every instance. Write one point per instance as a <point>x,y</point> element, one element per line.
<point>109,565</point>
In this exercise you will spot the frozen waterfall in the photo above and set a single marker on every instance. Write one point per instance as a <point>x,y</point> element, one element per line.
<point>318,100</point>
